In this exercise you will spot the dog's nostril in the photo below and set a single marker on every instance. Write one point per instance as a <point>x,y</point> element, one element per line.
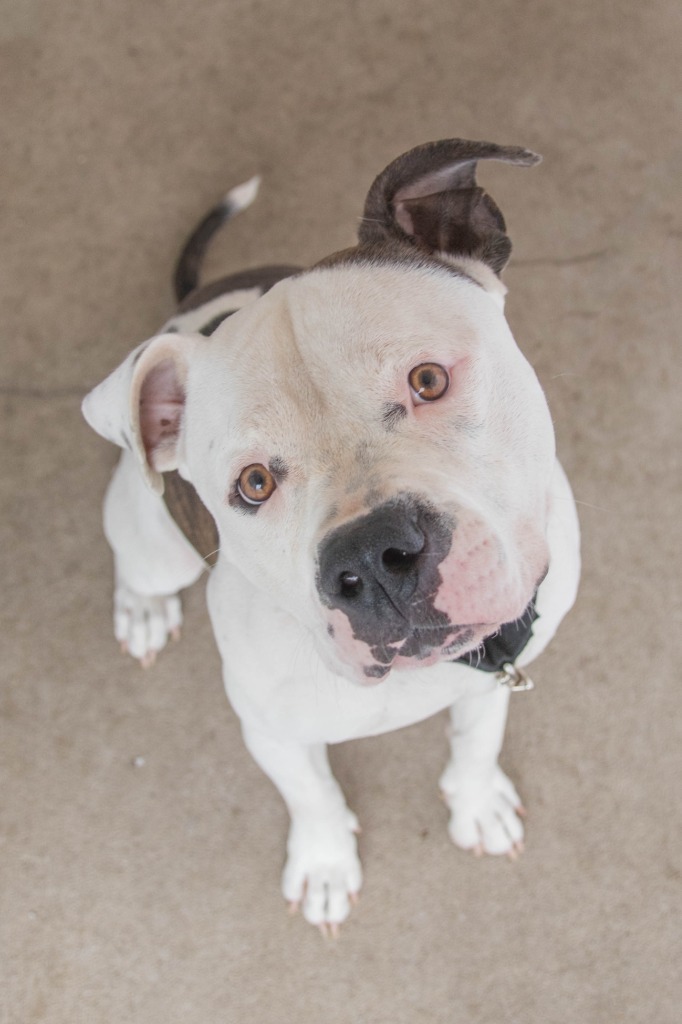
<point>350,584</point>
<point>396,560</point>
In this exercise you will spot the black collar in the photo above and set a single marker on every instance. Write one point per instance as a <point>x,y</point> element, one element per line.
<point>505,646</point>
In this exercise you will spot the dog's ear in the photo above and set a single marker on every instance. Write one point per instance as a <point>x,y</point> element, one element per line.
<point>140,406</point>
<point>429,198</point>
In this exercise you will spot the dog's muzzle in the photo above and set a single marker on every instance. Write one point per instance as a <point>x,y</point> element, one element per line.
<point>381,571</point>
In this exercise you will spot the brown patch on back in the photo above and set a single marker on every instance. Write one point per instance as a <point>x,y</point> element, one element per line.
<point>192,516</point>
<point>260,277</point>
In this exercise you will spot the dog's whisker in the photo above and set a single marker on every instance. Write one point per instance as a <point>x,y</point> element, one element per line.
<point>597,508</point>
<point>208,568</point>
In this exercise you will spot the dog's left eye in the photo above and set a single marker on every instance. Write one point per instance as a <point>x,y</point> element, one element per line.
<point>256,484</point>
<point>428,382</point>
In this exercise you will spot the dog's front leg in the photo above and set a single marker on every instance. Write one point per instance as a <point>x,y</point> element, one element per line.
<point>322,872</point>
<point>152,563</point>
<point>484,805</point>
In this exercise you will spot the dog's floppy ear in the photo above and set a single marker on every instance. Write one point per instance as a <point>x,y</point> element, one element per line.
<point>429,198</point>
<point>140,406</point>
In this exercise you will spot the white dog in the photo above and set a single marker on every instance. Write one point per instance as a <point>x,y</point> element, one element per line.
<point>375,461</point>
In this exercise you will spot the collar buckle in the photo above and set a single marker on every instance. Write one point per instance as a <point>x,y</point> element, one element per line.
<point>514,678</point>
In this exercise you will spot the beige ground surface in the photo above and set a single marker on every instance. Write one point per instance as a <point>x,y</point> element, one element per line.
<point>141,895</point>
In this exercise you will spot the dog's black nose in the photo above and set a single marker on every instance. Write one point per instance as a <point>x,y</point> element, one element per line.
<point>378,554</point>
<point>376,567</point>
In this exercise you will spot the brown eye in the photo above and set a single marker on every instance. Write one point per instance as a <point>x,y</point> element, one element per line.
<point>429,381</point>
<point>256,484</point>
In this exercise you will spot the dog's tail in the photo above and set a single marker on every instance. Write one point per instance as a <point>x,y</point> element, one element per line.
<point>186,277</point>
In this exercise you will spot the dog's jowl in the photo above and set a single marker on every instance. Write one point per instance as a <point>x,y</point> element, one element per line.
<point>367,461</point>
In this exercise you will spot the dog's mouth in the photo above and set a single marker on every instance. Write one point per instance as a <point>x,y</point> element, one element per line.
<point>425,646</point>
<point>407,586</point>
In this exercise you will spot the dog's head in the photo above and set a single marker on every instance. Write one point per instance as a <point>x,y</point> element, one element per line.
<point>373,446</point>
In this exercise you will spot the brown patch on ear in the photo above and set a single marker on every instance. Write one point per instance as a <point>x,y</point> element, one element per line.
<point>429,198</point>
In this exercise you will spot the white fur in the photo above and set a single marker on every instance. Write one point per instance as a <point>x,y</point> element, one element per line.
<point>300,374</point>
<point>243,195</point>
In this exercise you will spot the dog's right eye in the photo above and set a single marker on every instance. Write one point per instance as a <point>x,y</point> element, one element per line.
<point>256,484</point>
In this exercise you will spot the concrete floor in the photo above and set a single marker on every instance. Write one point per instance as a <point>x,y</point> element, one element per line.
<point>150,894</point>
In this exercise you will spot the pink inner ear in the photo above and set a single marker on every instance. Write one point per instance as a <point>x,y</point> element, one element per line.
<point>162,402</point>
<point>457,175</point>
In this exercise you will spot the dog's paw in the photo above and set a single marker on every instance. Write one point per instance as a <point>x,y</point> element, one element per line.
<point>323,874</point>
<point>142,625</point>
<point>484,818</point>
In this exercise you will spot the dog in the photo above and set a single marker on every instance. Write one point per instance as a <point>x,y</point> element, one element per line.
<point>367,461</point>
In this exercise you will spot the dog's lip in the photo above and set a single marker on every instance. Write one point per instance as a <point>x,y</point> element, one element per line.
<point>483,630</point>
<point>458,627</point>
<point>471,636</point>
